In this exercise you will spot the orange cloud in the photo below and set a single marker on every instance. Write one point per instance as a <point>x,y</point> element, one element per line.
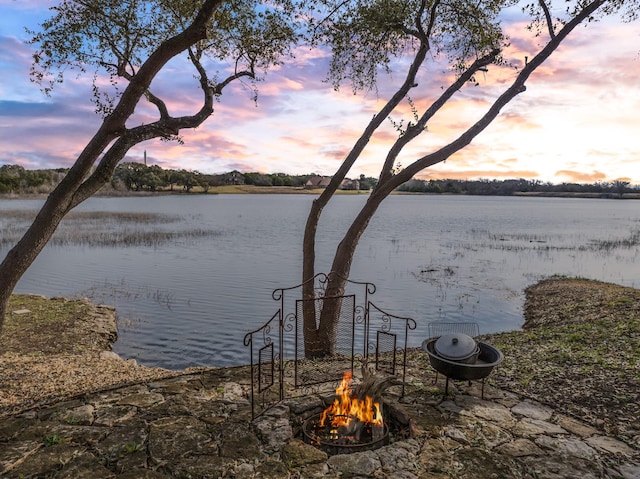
<point>434,173</point>
<point>580,177</point>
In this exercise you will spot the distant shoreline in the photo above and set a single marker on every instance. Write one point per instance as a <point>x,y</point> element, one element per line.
<point>559,194</point>
<point>295,190</point>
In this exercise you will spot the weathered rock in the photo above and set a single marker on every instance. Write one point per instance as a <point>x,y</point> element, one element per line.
<point>50,412</point>
<point>566,447</point>
<point>110,416</point>
<point>141,400</point>
<point>85,435</point>
<point>11,427</point>
<point>575,427</point>
<point>306,407</point>
<point>534,427</point>
<point>233,392</point>
<point>178,385</point>
<point>272,470</point>
<point>11,453</point>
<point>436,456</point>
<point>119,439</point>
<point>85,466</point>
<point>532,410</point>
<point>244,470</point>
<point>487,435</point>
<point>110,355</point>
<point>457,434</point>
<point>183,427</point>
<point>399,458</point>
<point>79,415</point>
<point>357,464</point>
<point>239,441</point>
<point>316,471</point>
<point>610,445</point>
<point>133,458</point>
<point>297,453</point>
<point>485,409</point>
<point>630,471</point>
<point>143,474</point>
<point>520,448</point>
<point>553,467</point>
<point>201,467</point>
<point>275,427</point>
<point>46,462</point>
<point>171,439</point>
<point>474,463</point>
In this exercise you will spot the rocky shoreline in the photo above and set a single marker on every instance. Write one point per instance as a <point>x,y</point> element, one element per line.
<point>54,348</point>
<point>135,422</point>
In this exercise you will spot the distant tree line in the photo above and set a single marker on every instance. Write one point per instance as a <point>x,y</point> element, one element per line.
<point>131,176</point>
<point>16,179</point>
<point>139,177</point>
<point>511,187</point>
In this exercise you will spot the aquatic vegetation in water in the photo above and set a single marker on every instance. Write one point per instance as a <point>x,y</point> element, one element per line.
<point>105,229</point>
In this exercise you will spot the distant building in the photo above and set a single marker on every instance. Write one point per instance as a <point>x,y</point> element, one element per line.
<point>233,178</point>
<point>317,182</point>
<point>348,184</point>
<point>323,182</point>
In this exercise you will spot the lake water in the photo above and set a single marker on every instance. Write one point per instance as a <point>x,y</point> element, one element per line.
<point>190,300</point>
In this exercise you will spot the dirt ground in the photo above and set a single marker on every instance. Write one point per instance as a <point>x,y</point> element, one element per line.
<point>55,348</point>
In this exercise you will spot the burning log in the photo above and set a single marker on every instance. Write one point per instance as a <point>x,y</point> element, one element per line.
<point>354,420</point>
<point>374,384</point>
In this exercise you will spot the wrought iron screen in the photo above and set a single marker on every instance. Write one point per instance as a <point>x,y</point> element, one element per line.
<point>339,340</point>
<point>281,354</point>
<point>390,342</point>
<point>265,352</point>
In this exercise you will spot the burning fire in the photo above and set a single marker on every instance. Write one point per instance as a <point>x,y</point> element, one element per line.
<point>347,409</point>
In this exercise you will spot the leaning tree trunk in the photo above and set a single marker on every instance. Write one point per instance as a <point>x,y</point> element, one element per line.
<point>57,205</point>
<point>325,332</point>
<point>317,341</point>
<point>79,184</point>
<point>341,267</point>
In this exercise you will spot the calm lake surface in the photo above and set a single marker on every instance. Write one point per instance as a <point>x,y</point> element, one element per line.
<point>190,300</point>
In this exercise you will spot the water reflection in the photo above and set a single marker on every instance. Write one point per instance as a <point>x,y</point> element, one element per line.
<point>189,296</point>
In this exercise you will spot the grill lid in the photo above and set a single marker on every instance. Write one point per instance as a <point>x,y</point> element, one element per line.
<point>455,346</point>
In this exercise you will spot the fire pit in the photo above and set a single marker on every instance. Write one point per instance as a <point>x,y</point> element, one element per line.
<point>349,424</point>
<point>462,363</point>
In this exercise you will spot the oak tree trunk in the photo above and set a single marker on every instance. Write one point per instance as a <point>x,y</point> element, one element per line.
<point>112,141</point>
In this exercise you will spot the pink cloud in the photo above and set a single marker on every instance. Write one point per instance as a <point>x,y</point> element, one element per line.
<point>436,173</point>
<point>580,176</point>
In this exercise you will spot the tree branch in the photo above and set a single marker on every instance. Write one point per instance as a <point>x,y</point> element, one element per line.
<point>517,87</point>
<point>417,129</point>
<point>547,16</point>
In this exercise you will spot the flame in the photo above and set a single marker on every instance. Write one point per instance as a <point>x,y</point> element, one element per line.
<point>347,409</point>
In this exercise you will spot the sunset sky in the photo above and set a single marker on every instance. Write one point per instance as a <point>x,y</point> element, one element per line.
<point>578,121</point>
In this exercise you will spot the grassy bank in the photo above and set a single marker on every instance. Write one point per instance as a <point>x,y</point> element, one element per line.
<point>52,349</point>
<point>579,352</point>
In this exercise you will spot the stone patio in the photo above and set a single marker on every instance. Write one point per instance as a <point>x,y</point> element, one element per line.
<point>199,426</point>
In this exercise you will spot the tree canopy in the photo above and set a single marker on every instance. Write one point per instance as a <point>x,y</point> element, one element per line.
<point>418,37</point>
<point>112,41</point>
<point>123,46</point>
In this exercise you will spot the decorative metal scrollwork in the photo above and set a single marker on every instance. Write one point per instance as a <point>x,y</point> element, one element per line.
<point>279,367</point>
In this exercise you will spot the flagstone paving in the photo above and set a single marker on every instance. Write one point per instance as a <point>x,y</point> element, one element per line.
<point>199,426</point>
